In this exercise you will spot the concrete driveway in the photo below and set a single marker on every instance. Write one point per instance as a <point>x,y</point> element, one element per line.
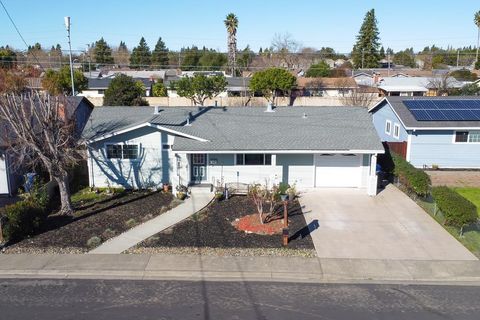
<point>389,226</point>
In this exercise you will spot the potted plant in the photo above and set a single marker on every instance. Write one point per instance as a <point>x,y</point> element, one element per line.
<point>182,192</point>
<point>282,190</point>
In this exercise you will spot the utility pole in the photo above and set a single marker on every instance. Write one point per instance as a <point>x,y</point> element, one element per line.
<point>388,61</point>
<point>89,61</point>
<point>458,57</point>
<point>67,25</point>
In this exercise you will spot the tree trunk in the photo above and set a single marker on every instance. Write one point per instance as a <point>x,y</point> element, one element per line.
<point>478,43</point>
<point>64,188</point>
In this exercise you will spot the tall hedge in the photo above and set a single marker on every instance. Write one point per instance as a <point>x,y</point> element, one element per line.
<point>414,179</point>
<point>457,210</point>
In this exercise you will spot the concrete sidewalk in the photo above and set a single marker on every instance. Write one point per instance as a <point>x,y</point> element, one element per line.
<point>213,268</point>
<point>198,199</point>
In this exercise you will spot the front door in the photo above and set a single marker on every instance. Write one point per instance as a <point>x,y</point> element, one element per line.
<point>199,168</point>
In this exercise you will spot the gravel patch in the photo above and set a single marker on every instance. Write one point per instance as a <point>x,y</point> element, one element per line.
<point>221,252</point>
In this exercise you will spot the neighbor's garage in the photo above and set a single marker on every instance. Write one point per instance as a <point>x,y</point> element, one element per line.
<point>338,170</point>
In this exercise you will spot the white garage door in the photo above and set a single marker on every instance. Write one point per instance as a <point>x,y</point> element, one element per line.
<point>337,170</point>
<point>3,177</point>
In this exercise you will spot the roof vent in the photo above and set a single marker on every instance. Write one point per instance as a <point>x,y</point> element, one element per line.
<point>304,116</point>
<point>188,119</point>
<point>269,107</point>
<point>156,110</point>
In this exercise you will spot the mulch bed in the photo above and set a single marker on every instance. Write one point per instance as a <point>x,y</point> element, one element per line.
<point>213,228</point>
<point>105,220</point>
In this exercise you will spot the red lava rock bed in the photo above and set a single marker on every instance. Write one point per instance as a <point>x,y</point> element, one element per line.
<point>105,220</point>
<point>214,228</point>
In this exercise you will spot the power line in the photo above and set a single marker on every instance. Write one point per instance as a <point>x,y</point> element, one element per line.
<point>19,33</point>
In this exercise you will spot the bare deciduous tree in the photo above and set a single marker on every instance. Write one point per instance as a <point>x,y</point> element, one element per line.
<point>42,132</point>
<point>287,49</point>
<point>264,199</point>
<point>441,85</point>
<point>359,96</point>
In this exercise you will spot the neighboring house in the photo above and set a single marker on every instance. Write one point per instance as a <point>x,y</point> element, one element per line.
<point>324,87</point>
<point>310,147</point>
<point>431,131</point>
<point>97,86</point>
<point>409,86</point>
<point>11,176</point>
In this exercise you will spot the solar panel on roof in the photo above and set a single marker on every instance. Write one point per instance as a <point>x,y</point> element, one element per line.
<point>444,110</point>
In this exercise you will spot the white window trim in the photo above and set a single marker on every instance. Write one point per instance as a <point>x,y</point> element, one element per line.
<point>455,135</point>
<point>122,144</point>
<point>395,127</point>
<point>388,124</point>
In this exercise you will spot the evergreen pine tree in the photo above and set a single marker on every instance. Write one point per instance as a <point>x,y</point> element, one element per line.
<point>365,52</point>
<point>382,53</point>
<point>141,55</point>
<point>160,54</point>
<point>102,53</point>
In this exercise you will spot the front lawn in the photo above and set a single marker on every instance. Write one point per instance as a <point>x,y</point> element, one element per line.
<point>471,235</point>
<point>213,231</point>
<point>472,194</point>
<point>94,222</point>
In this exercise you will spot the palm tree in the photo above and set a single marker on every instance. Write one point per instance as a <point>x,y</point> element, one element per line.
<point>231,22</point>
<point>476,19</point>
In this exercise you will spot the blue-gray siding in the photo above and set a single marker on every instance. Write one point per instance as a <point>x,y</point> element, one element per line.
<point>151,169</point>
<point>430,147</point>
<point>380,116</point>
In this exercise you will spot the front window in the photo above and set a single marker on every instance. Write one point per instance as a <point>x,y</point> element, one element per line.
<point>119,151</point>
<point>254,159</point>
<point>467,136</point>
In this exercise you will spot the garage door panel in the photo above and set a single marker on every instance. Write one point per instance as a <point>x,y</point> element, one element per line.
<point>337,171</point>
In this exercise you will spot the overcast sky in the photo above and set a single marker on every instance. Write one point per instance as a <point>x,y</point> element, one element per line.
<point>313,23</point>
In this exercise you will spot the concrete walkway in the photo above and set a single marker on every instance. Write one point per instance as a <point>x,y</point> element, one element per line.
<point>351,225</point>
<point>198,199</point>
<point>214,268</point>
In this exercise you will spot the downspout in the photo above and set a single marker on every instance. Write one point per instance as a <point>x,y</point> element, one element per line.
<point>9,182</point>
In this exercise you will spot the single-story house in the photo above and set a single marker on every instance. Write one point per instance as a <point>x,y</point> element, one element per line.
<point>141,147</point>
<point>97,86</point>
<point>11,176</point>
<point>324,87</point>
<point>431,131</point>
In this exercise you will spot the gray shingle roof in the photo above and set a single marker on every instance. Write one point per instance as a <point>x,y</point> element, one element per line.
<point>410,122</point>
<point>247,128</point>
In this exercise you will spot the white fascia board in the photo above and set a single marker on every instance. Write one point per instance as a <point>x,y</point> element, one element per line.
<point>377,104</point>
<point>146,124</point>
<point>178,133</point>
<point>284,151</point>
<point>115,133</point>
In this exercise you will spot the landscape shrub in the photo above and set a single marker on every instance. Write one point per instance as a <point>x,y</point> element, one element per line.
<point>22,220</point>
<point>415,180</point>
<point>94,242</point>
<point>457,210</point>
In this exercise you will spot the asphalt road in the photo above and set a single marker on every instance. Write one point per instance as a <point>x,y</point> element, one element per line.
<point>115,299</point>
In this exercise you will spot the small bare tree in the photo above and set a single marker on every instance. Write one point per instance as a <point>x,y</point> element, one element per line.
<point>441,85</point>
<point>356,96</point>
<point>287,49</point>
<point>42,132</point>
<point>264,199</point>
